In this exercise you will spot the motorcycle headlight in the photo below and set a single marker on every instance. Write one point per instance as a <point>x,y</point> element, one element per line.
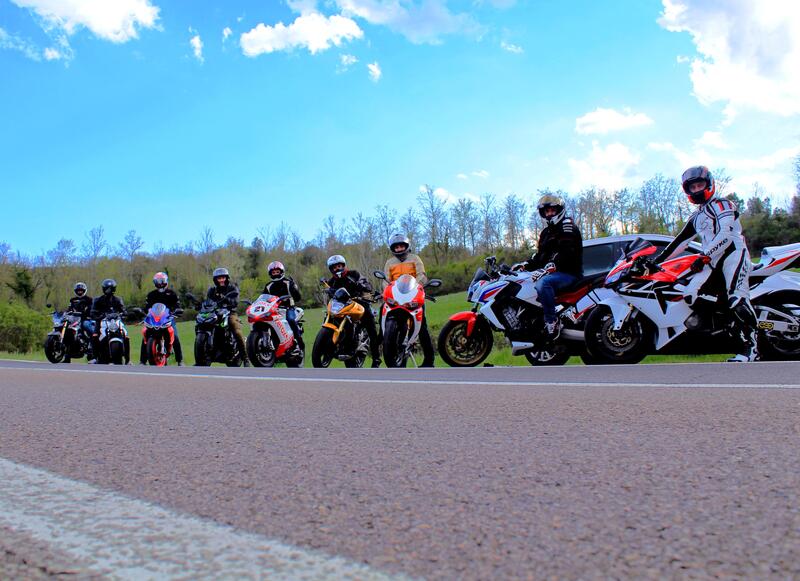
<point>336,307</point>
<point>413,305</point>
<point>391,302</point>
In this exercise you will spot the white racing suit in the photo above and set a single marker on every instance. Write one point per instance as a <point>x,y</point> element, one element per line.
<point>717,224</point>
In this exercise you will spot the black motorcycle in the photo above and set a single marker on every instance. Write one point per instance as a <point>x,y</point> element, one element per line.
<point>68,340</point>
<point>214,342</point>
<point>113,339</point>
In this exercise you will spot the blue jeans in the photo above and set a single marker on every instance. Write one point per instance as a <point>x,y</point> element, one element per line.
<point>547,287</point>
<point>88,326</point>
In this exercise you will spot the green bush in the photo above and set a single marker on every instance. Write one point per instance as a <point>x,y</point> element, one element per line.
<point>21,329</point>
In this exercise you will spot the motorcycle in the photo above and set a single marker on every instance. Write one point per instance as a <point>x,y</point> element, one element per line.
<point>113,338</point>
<point>214,341</point>
<point>271,338</point>
<point>68,340</point>
<point>669,309</point>
<point>401,316</point>
<point>158,331</point>
<point>342,336</point>
<point>505,300</point>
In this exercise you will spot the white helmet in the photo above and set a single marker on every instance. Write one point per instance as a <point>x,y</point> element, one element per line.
<point>395,240</point>
<point>552,201</point>
<point>334,260</point>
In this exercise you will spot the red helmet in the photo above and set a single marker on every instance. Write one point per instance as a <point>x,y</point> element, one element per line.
<point>699,174</point>
<point>276,265</point>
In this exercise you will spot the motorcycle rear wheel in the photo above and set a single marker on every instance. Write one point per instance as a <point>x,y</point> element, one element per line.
<point>783,347</point>
<point>54,349</point>
<point>394,333</point>
<point>458,350</point>
<point>555,356</point>
<point>322,352</point>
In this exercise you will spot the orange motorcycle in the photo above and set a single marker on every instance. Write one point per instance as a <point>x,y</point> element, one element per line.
<point>342,336</point>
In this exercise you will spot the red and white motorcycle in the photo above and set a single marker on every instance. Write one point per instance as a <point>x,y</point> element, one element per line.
<point>271,338</point>
<point>676,311</point>
<point>401,317</point>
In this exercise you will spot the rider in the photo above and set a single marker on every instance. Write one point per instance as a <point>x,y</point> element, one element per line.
<point>716,221</point>
<point>169,298</point>
<point>224,292</point>
<point>81,304</point>
<point>559,255</point>
<point>281,285</point>
<point>404,262</point>
<point>106,303</point>
<point>356,285</point>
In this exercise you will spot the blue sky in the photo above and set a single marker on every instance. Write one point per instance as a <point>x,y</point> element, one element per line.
<point>167,116</point>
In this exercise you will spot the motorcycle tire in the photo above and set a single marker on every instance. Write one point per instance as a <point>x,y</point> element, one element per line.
<point>322,352</point>
<point>458,350</point>
<point>54,349</point>
<point>553,357</point>
<point>201,349</point>
<point>116,352</point>
<point>360,357</point>
<point>154,355</point>
<point>629,345</point>
<point>393,334</point>
<point>297,358</point>
<point>258,354</point>
<point>784,347</point>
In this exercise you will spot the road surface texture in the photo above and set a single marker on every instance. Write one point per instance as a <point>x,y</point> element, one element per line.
<point>651,471</point>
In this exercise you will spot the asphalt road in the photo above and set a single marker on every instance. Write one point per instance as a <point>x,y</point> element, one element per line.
<point>657,471</point>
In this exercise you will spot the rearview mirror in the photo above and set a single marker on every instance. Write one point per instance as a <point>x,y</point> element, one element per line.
<point>434,283</point>
<point>379,274</point>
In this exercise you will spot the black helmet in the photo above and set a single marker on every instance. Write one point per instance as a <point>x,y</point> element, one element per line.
<point>276,265</point>
<point>218,272</point>
<point>551,201</point>
<point>399,245</point>
<point>109,286</point>
<point>80,288</point>
<point>699,174</point>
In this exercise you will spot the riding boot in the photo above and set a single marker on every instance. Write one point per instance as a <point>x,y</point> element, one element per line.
<point>143,354</point>
<point>428,352</point>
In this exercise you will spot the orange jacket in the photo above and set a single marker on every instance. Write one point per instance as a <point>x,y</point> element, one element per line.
<point>395,268</point>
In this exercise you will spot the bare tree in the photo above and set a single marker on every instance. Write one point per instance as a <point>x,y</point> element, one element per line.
<point>205,244</point>
<point>489,220</point>
<point>95,244</point>
<point>130,245</point>
<point>434,221</point>
<point>5,252</point>
<point>514,212</point>
<point>464,216</point>
<point>410,225</point>
<point>64,253</point>
<point>385,223</point>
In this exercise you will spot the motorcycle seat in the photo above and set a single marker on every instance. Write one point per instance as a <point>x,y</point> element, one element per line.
<point>576,290</point>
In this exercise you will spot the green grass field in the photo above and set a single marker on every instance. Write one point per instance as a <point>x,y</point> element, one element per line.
<point>437,314</point>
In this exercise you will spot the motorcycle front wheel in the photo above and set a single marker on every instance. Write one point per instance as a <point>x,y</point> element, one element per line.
<point>201,350</point>
<point>116,352</point>
<point>322,352</point>
<point>394,334</point>
<point>630,344</point>
<point>54,349</point>
<point>362,340</point>
<point>258,350</point>
<point>154,352</point>
<point>459,350</point>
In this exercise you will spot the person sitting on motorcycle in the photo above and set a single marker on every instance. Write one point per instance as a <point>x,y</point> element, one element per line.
<point>404,262</point>
<point>281,285</point>
<point>716,222</point>
<point>356,285</point>
<point>559,255</point>
<point>169,298</point>
<point>81,304</point>
<point>226,294</point>
<point>107,303</point>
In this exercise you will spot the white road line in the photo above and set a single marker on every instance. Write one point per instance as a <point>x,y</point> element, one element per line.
<point>125,538</point>
<point>381,381</point>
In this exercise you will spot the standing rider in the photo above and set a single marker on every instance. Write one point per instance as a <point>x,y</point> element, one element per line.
<point>169,298</point>
<point>559,255</point>
<point>716,221</point>
<point>107,303</point>
<point>281,285</point>
<point>356,285</point>
<point>225,293</point>
<point>404,262</point>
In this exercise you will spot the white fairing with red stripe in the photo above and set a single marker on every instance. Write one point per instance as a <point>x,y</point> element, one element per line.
<point>775,259</point>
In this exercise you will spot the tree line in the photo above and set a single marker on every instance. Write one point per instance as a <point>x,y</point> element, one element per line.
<point>452,236</point>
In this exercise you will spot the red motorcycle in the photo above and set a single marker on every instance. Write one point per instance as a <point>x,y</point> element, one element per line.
<point>401,317</point>
<point>271,338</point>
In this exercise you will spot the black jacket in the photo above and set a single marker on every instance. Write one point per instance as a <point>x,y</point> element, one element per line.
<point>217,294</point>
<point>561,244</point>
<point>82,305</point>
<point>168,298</point>
<point>105,304</point>
<point>351,280</point>
<point>280,288</point>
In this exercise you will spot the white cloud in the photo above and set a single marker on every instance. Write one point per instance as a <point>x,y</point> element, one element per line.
<point>197,47</point>
<point>602,121</point>
<point>346,61</point>
<point>748,52</point>
<point>420,22</point>
<point>226,32</point>
<point>302,6</point>
<point>12,42</point>
<point>117,21</point>
<point>312,31</point>
<point>712,139</point>
<point>507,46</point>
<point>611,167</point>
<point>482,173</point>
<point>462,176</point>
<point>52,54</point>
<point>375,72</point>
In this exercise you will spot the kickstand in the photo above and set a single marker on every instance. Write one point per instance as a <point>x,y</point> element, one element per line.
<point>411,356</point>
